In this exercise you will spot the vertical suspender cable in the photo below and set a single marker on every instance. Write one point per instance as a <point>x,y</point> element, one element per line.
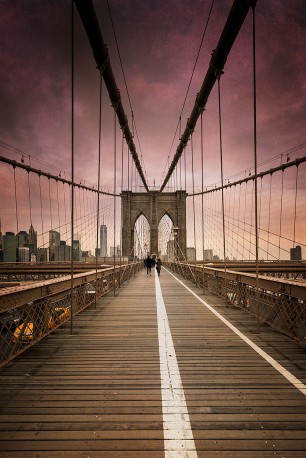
<point>16,205</point>
<point>29,187</point>
<point>115,143</point>
<point>58,211</point>
<point>222,189</point>
<point>280,216</point>
<point>180,133</point>
<point>64,192</point>
<point>255,170</point>
<point>185,167</point>
<point>50,205</point>
<point>202,198</point>
<point>128,169</point>
<point>193,203</point>
<point>122,162</point>
<point>121,208</point>
<point>41,216</point>
<point>98,197</point>
<point>296,189</point>
<point>269,217</point>
<point>72,160</point>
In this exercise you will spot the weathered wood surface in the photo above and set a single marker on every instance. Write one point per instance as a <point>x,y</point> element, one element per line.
<point>98,393</point>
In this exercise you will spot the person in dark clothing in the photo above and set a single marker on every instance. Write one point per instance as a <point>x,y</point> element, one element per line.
<point>149,265</point>
<point>158,266</point>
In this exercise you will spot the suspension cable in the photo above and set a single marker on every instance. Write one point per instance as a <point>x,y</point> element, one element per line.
<point>16,204</point>
<point>41,214</point>
<point>72,161</point>
<point>50,205</point>
<point>296,190</point>
<point>269,217</point>
<point>30,200</point>
<point>280,216</point>
<point>202,198</point>
<point>255,167</point>
<point>115,166</point>
<point>99,177</point>
<point>193,203</point>
<point>222,189</point>
<point>122,162</point>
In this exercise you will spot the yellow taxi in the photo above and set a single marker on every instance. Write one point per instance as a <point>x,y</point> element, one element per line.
<point>56,316</point>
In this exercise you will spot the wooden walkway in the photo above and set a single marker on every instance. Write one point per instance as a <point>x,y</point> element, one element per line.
<point>98,393</point>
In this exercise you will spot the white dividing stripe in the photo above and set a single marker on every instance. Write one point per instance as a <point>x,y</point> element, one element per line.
<point>290,377</point>
<point>178,437</point>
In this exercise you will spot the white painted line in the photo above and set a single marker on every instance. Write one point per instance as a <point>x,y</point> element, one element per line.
<point>290,377</point>
<point>178,437</point>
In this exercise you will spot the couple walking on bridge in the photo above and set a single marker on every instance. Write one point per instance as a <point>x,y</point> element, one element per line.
<point>150,262</point>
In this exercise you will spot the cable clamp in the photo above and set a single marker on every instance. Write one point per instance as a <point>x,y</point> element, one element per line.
<point>115,104</point>
<point>101,67</point>
<point>189,128</point>
<point>200,107</point>
<point>217,71</point>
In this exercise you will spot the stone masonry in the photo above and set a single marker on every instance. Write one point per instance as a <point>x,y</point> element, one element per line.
<point>153,207</point>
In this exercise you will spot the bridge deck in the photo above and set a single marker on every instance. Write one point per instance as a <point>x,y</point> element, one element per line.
<point>98,393</point>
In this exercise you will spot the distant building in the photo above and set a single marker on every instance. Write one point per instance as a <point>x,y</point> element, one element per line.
<point>191,254</point>
<point>208,255</point>
<point>42,255</point>
<point>296,253</point>
<point>103,240</point>
<point>97,251</point>
<point>77,252</point>
<point>23,238</point>
<point>54,238</point>
<point>62,252</point>
<point>10,246</point>
<point>115,251</point>
<point>32,240</point>
<point>24,254</point>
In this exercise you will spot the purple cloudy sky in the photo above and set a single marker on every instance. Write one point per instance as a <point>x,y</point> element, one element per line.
<point>158,41</point>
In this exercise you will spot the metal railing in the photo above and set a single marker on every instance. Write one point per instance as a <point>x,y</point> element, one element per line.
<point>282,303</point>
<point>29,312</point>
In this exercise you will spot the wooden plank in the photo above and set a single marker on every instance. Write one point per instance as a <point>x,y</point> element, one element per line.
<point>98,393</point>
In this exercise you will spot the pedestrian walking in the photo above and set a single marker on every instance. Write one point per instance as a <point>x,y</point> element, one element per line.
<point>158,266</point>
<point>149,265</point>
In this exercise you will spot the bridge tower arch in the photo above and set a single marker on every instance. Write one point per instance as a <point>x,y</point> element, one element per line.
<point>153,206</point>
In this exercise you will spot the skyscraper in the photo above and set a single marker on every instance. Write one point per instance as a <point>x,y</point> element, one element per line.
<point>296,253</point>
<point>103,240</point>
<point>10,245</point>
<point>32,240</point>
<point>54,238</point>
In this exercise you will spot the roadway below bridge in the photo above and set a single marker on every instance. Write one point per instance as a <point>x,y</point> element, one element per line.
<point>159,370</point>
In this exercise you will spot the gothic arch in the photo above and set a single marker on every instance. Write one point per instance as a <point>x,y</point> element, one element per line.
<point>153,207</point>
